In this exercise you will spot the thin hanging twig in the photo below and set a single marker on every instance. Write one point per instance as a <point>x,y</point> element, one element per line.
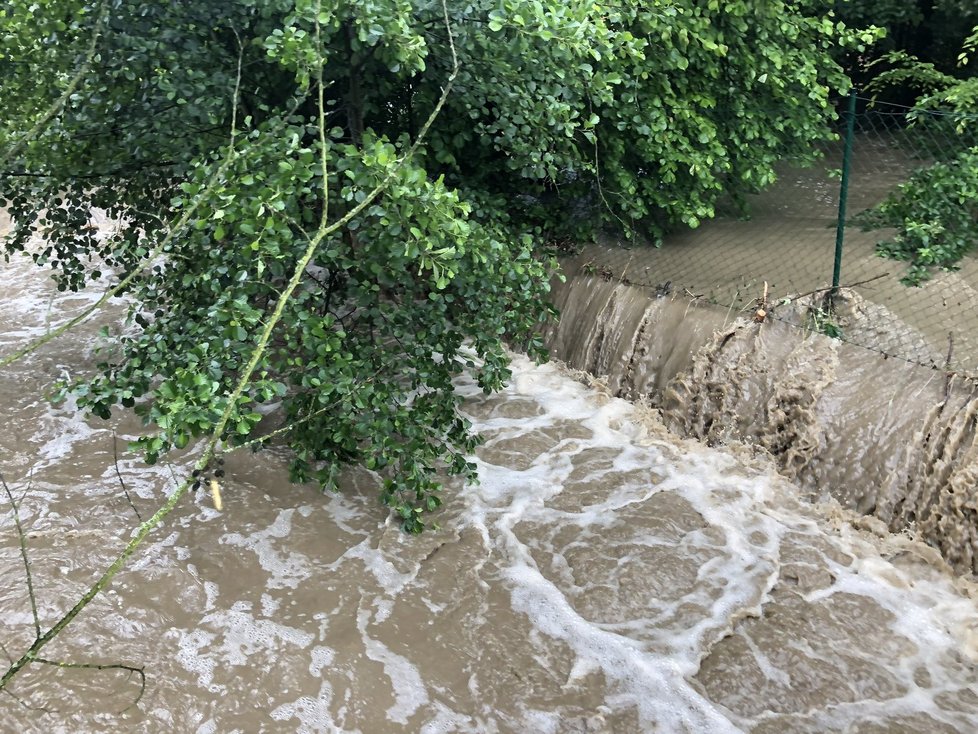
<point>97,666</point>
<point>24,556</point>
<point>29,707</point>
<point>125,490</point>
<point>948,374</point>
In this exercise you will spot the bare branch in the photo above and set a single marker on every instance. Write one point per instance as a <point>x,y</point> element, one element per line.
<point>96,666</point>
<point>125,490</point>
<point>285,429</point>
<point>237,90</point>
<point>29,707</point>
<point>24,556</point>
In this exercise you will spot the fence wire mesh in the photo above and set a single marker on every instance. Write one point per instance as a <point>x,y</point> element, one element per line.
<point>789,242</point>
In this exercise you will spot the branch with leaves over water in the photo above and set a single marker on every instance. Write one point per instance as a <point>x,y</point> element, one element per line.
<point>210,450</point>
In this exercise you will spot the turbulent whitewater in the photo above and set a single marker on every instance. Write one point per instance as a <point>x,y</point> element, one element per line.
<point>604,576</point>
<point>882,436</point>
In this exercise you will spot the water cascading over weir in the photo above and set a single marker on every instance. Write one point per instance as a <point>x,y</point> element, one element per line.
<point>883,437</point>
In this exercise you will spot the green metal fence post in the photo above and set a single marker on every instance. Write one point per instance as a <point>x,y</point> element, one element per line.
<point>844,191</point>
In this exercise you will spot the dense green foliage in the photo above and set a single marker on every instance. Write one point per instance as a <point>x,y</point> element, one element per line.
<point>935,212</point>
<point>198,127</point>
<point>929,30</point>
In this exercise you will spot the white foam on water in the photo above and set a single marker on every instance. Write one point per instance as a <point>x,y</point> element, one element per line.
<point>620,658</point>
<point>59,430</point>
<point>313,714</point>
<point>344,513</point>
<point>446,721</point>
<point>269,605</point>
<point>287,568</point>
<point>321,657</point>
<point>377,564</point>
<point>211,590</point>
<point>651,669</point>
<point>194,655</point>
<point>511,497</point>
<point>244,636</point>
<point>410,692</point>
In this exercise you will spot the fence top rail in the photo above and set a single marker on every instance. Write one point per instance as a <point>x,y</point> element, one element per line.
<point>880,107</point>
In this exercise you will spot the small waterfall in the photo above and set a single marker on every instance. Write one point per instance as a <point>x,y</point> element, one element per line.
<point>936,488</point>
<point>881,436</point>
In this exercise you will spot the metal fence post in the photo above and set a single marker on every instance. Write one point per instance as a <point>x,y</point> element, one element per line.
<point>844,191</point>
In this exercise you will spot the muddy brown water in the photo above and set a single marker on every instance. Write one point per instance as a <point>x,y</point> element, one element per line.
<point>604,576</point>
<point>880,436</point>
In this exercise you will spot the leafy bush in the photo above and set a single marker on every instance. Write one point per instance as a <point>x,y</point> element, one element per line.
<point>935,214</point>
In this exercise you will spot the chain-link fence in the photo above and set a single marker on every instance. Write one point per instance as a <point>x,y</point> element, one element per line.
<point>793,238</point>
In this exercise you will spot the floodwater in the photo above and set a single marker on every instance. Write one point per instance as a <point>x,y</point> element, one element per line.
<point>787,247</point>
<point>881,436</point>
<point>605,576</point>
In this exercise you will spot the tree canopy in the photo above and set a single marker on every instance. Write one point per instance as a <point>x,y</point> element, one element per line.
<point>406,166</point>
<point>931,31</point>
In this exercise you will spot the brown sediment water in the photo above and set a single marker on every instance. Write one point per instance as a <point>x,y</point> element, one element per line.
<point>604,576</point>
<point>879,435</point>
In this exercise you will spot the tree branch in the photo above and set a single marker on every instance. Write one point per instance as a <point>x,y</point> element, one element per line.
<point>32,654</point>
<point>125,490</point>
<point>73,85</point>
<point>24,557</point>
<point>96,666</point>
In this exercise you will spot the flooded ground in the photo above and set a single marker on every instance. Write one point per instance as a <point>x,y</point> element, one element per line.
<point>604,576</point>
<point>788,243</point>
